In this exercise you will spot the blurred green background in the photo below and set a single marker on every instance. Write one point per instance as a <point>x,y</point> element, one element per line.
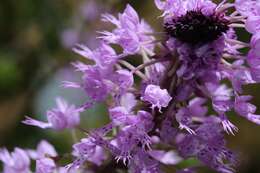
<point>36,37</point>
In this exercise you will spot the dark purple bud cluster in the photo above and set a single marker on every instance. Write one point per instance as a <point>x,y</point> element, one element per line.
<point>194,27</point>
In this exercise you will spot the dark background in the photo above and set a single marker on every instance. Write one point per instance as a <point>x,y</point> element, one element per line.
<point>36,37</point>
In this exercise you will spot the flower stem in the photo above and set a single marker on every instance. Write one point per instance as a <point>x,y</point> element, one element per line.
<point>131,67</point>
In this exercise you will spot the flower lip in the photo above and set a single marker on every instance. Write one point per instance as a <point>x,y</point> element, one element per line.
<point>194,27</point>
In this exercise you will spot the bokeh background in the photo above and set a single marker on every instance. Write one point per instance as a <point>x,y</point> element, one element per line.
<point>36,37</point>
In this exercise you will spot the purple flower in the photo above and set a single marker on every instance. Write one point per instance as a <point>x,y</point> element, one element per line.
<point>128,101</point>
<point>245,109</point>
<point>124,79</point>
<point>44,149</point>
<point>253,57</point>
<point>255,44</point>
<point>197,108</point>
<point>44,155</point>
<point>94,84</point>
<point>143,162</point>
<point>248,7</point>
<point>104,56</point>
<point>17,161</point>
<point>134,128</point>
<point>87,150</point>
<point>175,8</point>
<point>130,33</point>
<point>156,96</point>
<point>156,73</point>
<point>45,165</point>
<point>221,97</point>
<point>64,116</point>
<point>209,147</point>
<point>145,121</point>
<point>194,111</point>
<point>184,119</point>
<point>97,81</point>
<point>252,24</point>
<point>120,116</point>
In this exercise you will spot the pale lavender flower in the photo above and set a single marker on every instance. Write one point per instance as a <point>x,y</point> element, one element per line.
<point>87,150</point>
<point>120,116</point>
<point>45,165</point>
<point>124,79</point>
<point>252,24</point>
<point>128,101</point>
<point>44,149</point>
<point>97,79</point>
<point>255,45</point>
<point>44,156</point>
<point>248,7</point>
<point>245,109</point>
<point>94,84</point>
<point>104,56</point>
<point>64,116</point>
<point>221,97</point>
<point>254,63</point>
<point>156,96</point>
<point>156,73</point>
<point>130,32</point>
<point>16,161</point>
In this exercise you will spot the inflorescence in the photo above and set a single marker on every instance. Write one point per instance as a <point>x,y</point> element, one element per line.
<point>162,119</point>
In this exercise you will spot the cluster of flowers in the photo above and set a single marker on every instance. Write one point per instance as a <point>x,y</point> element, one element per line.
<point>162,119</point>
